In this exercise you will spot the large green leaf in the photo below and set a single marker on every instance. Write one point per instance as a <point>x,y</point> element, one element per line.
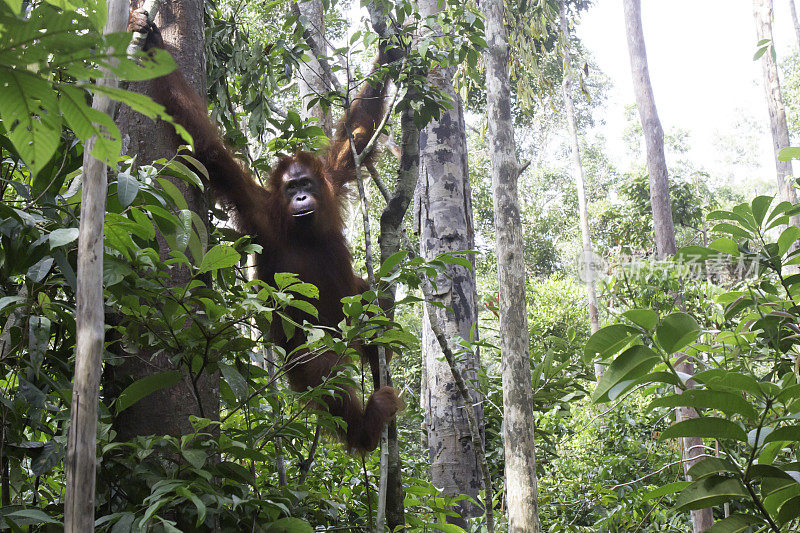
<point>289,525</point>
<point>142,104</point>
<point>127,189</point>
<point>62,237</point>
<point>786,433</point>
<point>608,341</point>
<point>721,379</point>
<point>32,516</point>
<point>235,380</point>
<point>87,122</point>
<point>633,363</point>
<point>706,427</point>
<point>711,465</point>
<point>727,402</point>
<point>737,523</point>
<point>669,488</point>
<point>708,492</point>
<point>29,109</point>
<point>645,318</point>
<point>759,206</point>
<point>789,510</point>
<point>787,239</point>
<point>676,332</point>
<point>220,256</point>
<point>147,385</point>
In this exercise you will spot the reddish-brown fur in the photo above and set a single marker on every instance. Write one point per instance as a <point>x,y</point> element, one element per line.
<point>317,253</point>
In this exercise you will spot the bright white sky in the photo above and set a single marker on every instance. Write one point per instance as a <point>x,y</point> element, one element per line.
<point>700,57</point>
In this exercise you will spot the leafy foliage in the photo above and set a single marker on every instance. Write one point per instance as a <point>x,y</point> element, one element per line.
<point>746,388</point>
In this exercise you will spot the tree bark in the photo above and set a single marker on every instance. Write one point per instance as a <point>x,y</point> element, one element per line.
<point>311,80</point>
<point>653,133</point>
<point>795,21</point>
<point>167,411</point>
<point>81,457</point>
<point>518,422</point>
<point>702,519</point>
<point>443,219</point>
<point>577,170</point>
<point>762,9</point>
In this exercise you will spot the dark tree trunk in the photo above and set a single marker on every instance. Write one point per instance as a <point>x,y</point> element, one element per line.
<point>167,411</point>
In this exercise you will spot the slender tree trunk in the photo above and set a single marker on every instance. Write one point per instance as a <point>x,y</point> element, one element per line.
<point>702,519</point>
<point>443,216</point>
<point>762,10</point>
<point>390,240</point>
<point>577,169</point>
<point>653,133</point>
<point>311,80</point>
<point>795,21</point>
<point>518,422</point>
<point>167,411</point>
<point>89,322</point>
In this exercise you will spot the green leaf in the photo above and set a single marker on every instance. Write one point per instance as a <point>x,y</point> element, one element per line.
<point>736,523</point>
<point>730,229</point>
<point>29,109</point>
<point>760,205</point>
<point>33,516</point>
<point>173,192</point>
<point>789,510</point>
<point>787,239</point>
<point>725,245</point>
<point>142,104</point>
<point>608,341</point>
<point>789,153</point>
<point>14,5</point>
<point>38,340</point>
<point>196,458</point>
<point>786,433</point>
<point>676,332</point>
<point>644,318</point>
<point>708,492</point>
<point>50,455</point>
<point>220,256</point>
<point>447,528</point>
<point>669,488</point>
<point>695,254</point>
<point>127,189</point>
<point>38,271</point>
<point>5,301</point>
<point>87,122</point>
<point>198,503</point>
<point>706,427</point>
<point>62,236</point>
<point>388,266</point>
<point>721,379</point>
<point>235,380</point>
<point>727,402</point>
<point>633,363</point>
<point>711,465</point>
<point>289,525</point>
<point>144,386</point>
<point>305,306</point>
